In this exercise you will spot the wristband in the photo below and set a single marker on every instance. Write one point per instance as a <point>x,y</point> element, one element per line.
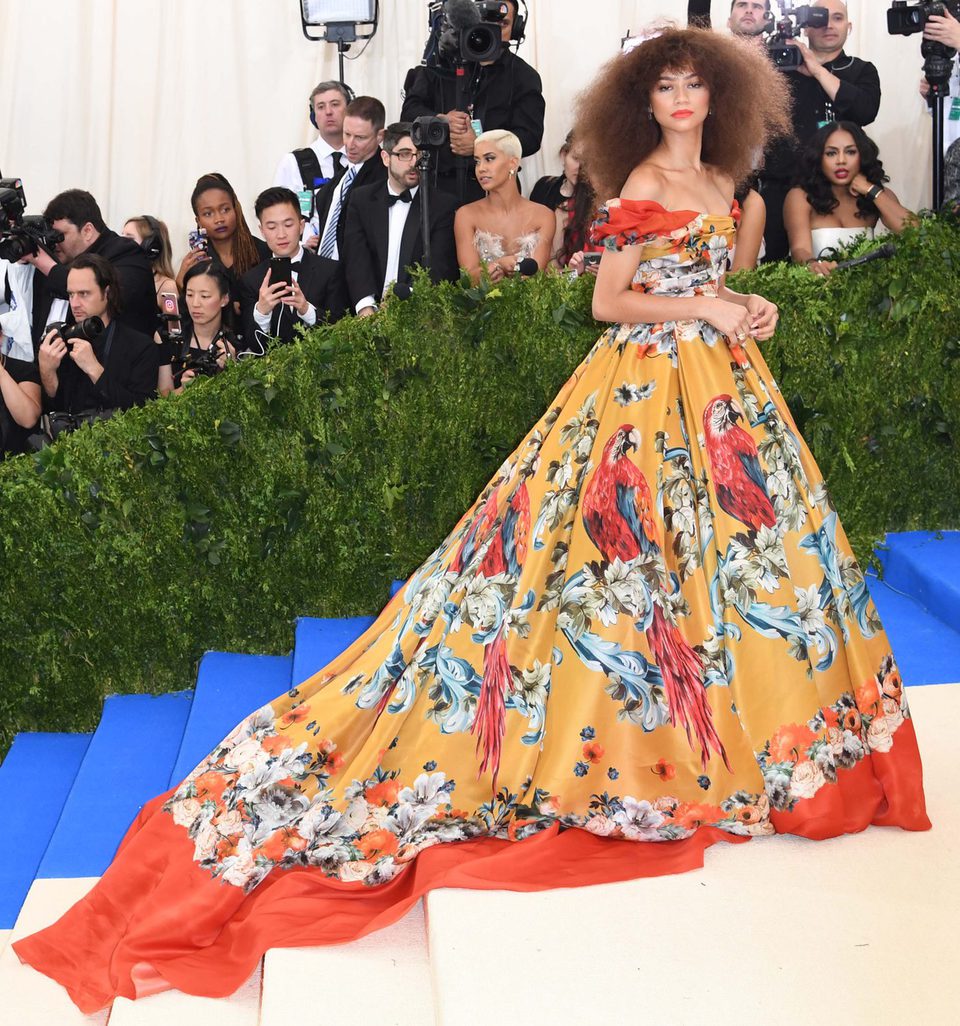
<point>873,193</point>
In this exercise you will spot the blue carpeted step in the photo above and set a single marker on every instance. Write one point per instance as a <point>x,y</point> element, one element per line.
<point>127,763</point>
<point>926,566</point>
<point>36,776</point>
<point>229,687</point>
<point>320,640</point>
<point>395,586</point>
<point>927,650</point>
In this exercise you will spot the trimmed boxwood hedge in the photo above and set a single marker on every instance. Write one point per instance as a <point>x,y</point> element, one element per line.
<point>304,482</point>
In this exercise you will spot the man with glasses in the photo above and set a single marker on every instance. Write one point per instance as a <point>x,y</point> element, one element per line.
<point>383,237</point>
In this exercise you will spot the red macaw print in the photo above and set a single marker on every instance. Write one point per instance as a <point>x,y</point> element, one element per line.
<point>505,555</point>
<point>738,478</point>
<point>618,514</point>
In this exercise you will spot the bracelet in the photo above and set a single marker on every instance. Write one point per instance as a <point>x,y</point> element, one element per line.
<point>873,193</point>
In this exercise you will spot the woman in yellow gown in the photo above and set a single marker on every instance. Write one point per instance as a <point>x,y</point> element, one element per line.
<point>647,634</point>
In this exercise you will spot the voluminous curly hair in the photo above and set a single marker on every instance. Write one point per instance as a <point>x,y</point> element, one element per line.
<point>816,185</point>
<point>750,101</point>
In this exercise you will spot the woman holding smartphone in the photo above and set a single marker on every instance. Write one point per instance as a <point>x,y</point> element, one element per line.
<point>205,327</point>
<point>222,233</point>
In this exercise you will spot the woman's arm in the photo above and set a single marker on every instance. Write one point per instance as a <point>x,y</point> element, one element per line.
<point>892,212</point>
<point>21,398</point>
<point>464,230</point>
<point>753,220</point>
<point>796,219</point>
<point>615,301</point>
<point>546,221</point>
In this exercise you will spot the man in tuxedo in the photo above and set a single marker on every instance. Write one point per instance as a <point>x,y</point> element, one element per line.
<point>383,237</point>
<point>273,309</point>
<point>362,131</point>
<point>77,215</point>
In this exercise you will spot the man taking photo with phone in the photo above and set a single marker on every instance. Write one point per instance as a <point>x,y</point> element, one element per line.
<point>295,286</point>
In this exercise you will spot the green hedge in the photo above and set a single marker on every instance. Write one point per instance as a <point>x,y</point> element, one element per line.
<point>303,483</point>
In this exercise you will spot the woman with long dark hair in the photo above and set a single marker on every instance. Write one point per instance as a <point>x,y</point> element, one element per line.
<point>648,633</point>
<point>229,241</point>
<point>840,196</point>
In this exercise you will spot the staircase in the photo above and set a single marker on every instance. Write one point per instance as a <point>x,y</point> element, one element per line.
<point>705,946</point>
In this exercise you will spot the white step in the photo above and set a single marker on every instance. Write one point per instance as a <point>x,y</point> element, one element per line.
<point>770,931</point>
<point>28,998</point>
<point>242,1008</point>
<point>382,979</point>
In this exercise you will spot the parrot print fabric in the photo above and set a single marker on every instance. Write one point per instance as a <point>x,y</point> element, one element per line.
<point>649,622</point>
<point>648,627</point>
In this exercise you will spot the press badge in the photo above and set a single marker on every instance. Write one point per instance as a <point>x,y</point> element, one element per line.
<point>477,125</point>
<point>306,201</point>
<point>954,114</point>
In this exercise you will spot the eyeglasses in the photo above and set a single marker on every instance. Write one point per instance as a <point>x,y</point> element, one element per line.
<point>405,156</point>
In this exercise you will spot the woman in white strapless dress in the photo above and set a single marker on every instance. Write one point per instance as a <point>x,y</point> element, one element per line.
<point>498,231</point>
<point>840,197</point>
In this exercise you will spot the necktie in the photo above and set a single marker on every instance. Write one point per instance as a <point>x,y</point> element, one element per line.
<point>404,197</point>
<point>329,242</point>
<point>337,164</point>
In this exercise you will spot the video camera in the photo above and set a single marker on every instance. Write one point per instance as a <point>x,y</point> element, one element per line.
<point>21,234</point>
<point>904,20</point>
<point>464,31</point>
<point>784,56</point>
<point>89,329</point>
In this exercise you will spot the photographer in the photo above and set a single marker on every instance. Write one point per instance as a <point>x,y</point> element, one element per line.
<point>19,377</point>
<point>86,380</point>
<point>205,342</point>
<point>829,85</point>
<point>77,215</point>
<point>305,170</point>
<point>502,93</point>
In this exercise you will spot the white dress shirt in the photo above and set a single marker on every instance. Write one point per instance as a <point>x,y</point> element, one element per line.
<point>309,318</point>
<point>288,170</point>
<point>397,219</point>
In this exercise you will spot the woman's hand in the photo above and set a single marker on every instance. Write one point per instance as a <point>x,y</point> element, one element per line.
<point>193,257</point>
<point>860,185</point>
<point>763,317</point>
<point>730,319</point>
<point>822,267</point>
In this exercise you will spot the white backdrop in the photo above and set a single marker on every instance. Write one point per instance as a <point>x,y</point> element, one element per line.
<point>134,99</point>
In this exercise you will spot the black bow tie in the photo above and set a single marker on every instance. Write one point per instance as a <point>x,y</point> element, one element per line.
<point>295,263</point>
<point>404,197</point>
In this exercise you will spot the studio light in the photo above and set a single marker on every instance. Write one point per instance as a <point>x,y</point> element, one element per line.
<point>339,21</point>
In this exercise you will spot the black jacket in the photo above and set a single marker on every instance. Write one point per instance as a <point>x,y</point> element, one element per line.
<point>366,242</point>
<point>857,100</point>
<point>321,283</point>
<point>138,297</point>
<point>130,361</point>
<point>371,171</point>
<point>506,94</point>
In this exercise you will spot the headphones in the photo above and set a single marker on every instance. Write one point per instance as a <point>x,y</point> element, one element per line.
<point>350,97</point>
<point>519,22</point>
<point>152,244</point>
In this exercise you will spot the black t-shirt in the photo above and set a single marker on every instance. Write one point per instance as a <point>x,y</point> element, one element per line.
<point>12,435</point>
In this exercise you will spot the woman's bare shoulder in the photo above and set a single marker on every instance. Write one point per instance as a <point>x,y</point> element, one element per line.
<point>644,182</point>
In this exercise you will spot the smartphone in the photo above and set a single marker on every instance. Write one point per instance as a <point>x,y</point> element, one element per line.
<point>280,270</point>
<point>197,239</point>
<point>170,310</point>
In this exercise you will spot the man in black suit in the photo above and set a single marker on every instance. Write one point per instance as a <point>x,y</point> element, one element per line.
<point>362,131</point>
<point>383,237</point>
<point>273,309</point>
<point>77,215</point>
<point>118,369</point>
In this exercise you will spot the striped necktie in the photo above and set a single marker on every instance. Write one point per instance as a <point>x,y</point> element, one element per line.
<point>329,242</point>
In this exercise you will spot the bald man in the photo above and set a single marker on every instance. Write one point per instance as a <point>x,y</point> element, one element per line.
<point>828,86</point>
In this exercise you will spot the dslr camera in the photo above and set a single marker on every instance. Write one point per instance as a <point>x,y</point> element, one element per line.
<point>203,361</point>
<point>464,31</point>
<point>89,329</point>
<point>22,234</point>
<point>784,56</point>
